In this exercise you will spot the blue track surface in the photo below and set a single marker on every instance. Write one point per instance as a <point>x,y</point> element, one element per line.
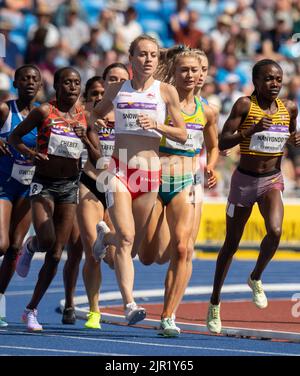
<point>61,340</point>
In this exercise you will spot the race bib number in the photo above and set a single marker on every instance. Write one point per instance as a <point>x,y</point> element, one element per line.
<point>129,114</point>
<point>23,172</point>
<point>194,139</point>
<point>35,189</point>
<point>268,142</point>
<point>64,143</point>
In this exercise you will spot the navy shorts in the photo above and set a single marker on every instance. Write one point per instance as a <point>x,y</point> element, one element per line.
<point>61,191</point>
<point>11,189</point>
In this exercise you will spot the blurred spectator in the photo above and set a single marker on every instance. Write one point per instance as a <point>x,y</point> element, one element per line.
<point>11,14</point>
<point>209,91</point>
<point>282,30</point>
<point>43,14</point>
<point>129,31</point>
<point>293,93</point>
<point>247,39</point>
<point>93,48</point>
<point>81,63</point>
<point>4,86</point>
<point>296,17</point>
<point>221,34</point>
<point>229,66</point>
<point>180,18</point>
<point>75,33</point>
<point>267,52</point>
<point>189,34</point>
<point>265,14</point>
<point>36,48</point>
<point>52,61</point>
<point>207,45</point>
<point>245,13</point>
<point>19,4</point>
<point>107,28</point>
<point>229,97</point>
<point>118,5</point>
<point>13,57</point>
<point>60,15</point>
<point>233,34</point>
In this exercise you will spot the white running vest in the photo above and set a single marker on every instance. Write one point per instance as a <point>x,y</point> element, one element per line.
<point>129,103</point>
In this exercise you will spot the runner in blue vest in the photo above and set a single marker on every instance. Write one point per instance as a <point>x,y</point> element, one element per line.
<point>16,172</point>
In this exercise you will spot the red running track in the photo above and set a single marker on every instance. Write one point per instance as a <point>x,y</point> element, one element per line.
<point>237,314</point>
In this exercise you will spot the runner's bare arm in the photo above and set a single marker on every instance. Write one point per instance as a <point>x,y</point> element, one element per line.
<point>229,136</point>
<point>210,136</point>
<point>4,111</point>
<point>90,138</point>
<point>106,104</point>
<point>294,139</point>
<point>177,132</point>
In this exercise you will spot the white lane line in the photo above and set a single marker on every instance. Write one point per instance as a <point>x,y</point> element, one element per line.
<point>151,344</point>
<point>194,290</point>
<point>60,351</point>
<point>52,290</point>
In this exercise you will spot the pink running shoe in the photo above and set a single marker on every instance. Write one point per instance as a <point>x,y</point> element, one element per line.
<point>24,260</point>
<point>29,317</point>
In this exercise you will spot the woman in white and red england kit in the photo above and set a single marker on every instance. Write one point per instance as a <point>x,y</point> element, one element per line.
<point>62,134</point>
<point>92,205</point>
<point>140,107</point>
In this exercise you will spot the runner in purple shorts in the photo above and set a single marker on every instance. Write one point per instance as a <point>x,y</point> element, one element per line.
<point>261,124</point>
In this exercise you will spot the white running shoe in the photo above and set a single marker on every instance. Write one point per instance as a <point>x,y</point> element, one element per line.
<point>99,248</point>
<point>259,297</point>
<point>168,327</point>
<point>29,317</point>
<point>24,260</point>
<point>213,320</point>
<point>134,313</point>
<point>3,323</point>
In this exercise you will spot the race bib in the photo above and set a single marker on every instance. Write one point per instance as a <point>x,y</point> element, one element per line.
<point>107,140</point>
<point>129,113</point>
<point>63,142</point>
<point>23,172</point>
<point>268,141</point>
<point>35,189</point>
<point>194,138</point>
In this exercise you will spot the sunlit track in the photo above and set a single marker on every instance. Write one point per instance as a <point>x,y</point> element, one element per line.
<point>113,340</point>
<point>160,345</point>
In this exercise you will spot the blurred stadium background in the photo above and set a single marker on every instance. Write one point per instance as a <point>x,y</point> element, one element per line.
<point>90,34</point>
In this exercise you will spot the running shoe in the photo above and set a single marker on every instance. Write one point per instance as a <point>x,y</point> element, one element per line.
<point>29,317</point>
<point>134,313</point>
<point>168,327</point>
<point>24,260</point>
<point>2,322</point>
<point>93,321</point>
<point>213,320</point>
<point>259,298</point>
<point>69,317</point>
<point>99,249</point>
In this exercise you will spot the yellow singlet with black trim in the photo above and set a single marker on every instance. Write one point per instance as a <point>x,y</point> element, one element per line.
<point>195,124</point>
<point>270,142</point>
